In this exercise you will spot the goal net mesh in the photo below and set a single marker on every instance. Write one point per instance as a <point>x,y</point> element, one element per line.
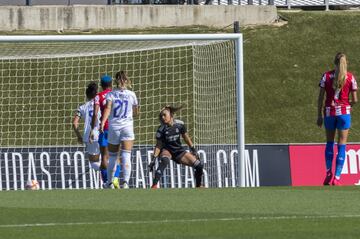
<point>42,84</point>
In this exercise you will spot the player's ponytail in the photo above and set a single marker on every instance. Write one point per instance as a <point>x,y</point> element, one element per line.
<point>122,80</point>
<point>172,109</point>
<point>340,71</point>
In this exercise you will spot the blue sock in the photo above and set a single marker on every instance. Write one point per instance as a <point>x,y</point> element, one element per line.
<point>103,174</point>
<point>117,172</point>
<point>329,155</point>
<point>340,159</point>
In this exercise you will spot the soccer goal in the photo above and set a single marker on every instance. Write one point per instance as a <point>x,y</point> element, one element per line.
<point>43,81</point>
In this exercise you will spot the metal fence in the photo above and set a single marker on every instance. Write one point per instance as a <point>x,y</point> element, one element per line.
<point>53,2</point>
<point>289,3</point>
<point>279,3</point>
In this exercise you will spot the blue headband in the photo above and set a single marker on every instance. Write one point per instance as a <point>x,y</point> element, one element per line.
<point>106,79</point>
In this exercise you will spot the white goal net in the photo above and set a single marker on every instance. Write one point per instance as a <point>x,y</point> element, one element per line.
<point>44,82</point>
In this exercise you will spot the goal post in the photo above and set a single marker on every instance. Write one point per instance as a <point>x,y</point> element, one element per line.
<point>44,79</point>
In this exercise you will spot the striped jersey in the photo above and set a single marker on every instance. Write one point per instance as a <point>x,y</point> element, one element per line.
<point>337,101</point>
<point>85,112</point>
<point>123,101</point>
<point>100,100</point>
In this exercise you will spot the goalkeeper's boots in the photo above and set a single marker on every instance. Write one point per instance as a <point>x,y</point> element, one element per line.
<point>116,183</point>
<point>125,185</point>
<point>108,185</point>
<point>155,186</point>
<point>336,182</point>
<point>328,178</point>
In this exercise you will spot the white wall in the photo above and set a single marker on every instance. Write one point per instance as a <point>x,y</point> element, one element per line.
<point>80,17</point>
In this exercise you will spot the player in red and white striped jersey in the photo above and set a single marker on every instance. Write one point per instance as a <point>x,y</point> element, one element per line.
<point>337,85</point>
<point>99,106</point>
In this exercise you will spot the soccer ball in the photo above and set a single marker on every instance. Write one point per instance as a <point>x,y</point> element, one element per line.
<point>32,185</point>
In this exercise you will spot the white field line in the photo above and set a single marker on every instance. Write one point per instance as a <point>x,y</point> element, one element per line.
<point>179,221</point>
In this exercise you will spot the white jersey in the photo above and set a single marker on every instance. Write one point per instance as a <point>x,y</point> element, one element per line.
<point>121,113</point>
<point>85,111</point>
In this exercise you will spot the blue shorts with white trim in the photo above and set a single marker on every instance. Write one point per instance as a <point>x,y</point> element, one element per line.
<point>340,122</point>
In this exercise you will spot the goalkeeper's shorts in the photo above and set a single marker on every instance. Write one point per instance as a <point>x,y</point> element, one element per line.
<point>177,155</point>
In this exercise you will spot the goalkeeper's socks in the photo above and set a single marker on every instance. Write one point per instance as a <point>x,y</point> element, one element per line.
<point>329,155</point>
<point>117,171</point>
<point>340,159</point>
<point>103,172</point>
<point>157,178</point>
<point>199,170</point>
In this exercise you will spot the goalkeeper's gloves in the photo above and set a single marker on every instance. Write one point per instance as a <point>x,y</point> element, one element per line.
<point>194,152</point>
<point>152,163</point>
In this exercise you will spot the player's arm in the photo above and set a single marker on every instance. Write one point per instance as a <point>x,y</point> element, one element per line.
<point>135,110</point>
<point>135,106</point>
<point>156,154</point>
<point>189,142</point>
<point>75,126</point>
<point>158,148</point>
<point>95,112</point>
<point>187,139</point>
<point>354,98</point>
<point>106,115</point>
<point>320,106</point>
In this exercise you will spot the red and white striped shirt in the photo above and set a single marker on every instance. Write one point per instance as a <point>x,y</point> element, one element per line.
<point>100,100</point>
<point>337,101</point>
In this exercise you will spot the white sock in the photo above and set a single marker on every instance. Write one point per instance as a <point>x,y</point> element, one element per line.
<point>95,165</point>
<point>111,166</point>
<point>126,165</point>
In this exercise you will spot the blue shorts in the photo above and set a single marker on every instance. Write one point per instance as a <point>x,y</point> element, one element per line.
<point>103,139</point>
<point>340,122</point>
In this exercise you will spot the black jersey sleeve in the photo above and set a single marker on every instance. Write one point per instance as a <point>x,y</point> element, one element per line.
<point>159,133</point>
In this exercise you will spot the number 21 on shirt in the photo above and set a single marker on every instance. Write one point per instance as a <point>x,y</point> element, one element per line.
<point>120,108</point>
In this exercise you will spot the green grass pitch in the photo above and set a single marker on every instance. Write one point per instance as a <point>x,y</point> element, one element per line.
<point>283,212</point>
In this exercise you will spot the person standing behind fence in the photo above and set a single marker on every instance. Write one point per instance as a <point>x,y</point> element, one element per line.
<point>121,106</point>
<point>337,84</point>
